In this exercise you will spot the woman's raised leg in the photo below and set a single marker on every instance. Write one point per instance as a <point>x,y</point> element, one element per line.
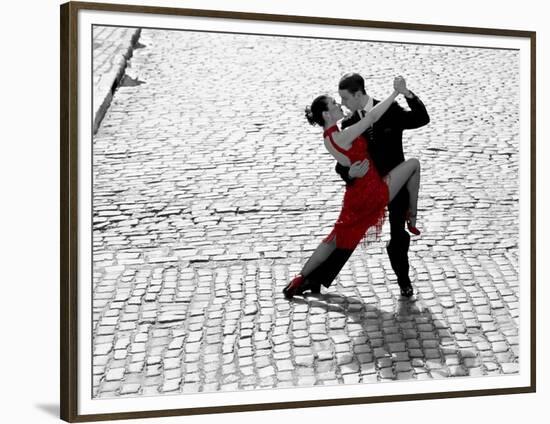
<point>406,173</point>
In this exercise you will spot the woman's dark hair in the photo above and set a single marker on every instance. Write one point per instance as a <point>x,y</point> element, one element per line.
<point>314,113</point>
<point>353,83</point>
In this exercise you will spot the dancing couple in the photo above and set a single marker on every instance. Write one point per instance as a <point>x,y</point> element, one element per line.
<point>369,153</point>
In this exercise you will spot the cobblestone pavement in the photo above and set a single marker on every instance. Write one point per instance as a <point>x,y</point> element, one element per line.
<point>210,192</point>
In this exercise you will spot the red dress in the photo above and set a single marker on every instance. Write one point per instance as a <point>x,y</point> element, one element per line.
<point>365,200</point>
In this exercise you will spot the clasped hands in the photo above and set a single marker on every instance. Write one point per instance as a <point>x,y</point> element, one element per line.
<point>400,85</point>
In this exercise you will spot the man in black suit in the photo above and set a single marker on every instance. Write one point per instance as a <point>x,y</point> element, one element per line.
<point>385,141</point>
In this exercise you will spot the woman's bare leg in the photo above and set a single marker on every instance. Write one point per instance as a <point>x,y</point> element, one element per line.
<point>406,173</point>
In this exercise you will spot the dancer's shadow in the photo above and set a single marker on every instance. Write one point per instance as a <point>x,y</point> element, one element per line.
<point>407,342</point>
<point>128,81</point>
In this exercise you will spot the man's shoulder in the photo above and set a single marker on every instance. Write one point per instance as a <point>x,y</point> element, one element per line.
<point>393,111</point>
<point>394,105</point>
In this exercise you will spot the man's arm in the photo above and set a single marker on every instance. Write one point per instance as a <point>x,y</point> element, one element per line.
<point>416,117</point>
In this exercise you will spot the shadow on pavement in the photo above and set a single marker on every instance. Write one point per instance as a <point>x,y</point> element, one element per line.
<point>128,81</point>
<point>399,344</point>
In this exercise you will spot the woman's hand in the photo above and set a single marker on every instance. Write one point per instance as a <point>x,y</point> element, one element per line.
<point>359,169</point>
<point>400,85</point>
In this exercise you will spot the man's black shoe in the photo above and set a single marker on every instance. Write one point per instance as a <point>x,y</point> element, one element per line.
<point>406,289</point>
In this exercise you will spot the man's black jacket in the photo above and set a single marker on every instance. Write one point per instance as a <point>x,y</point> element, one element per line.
<point>386,145</point>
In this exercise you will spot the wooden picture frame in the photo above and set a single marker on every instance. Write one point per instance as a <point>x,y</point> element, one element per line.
<point>77,125</point>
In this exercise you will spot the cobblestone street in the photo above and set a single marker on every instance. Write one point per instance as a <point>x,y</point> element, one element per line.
<point>210,191</point>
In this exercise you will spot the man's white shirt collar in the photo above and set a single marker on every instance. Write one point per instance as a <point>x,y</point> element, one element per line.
<point>367,108</point>
<point>369,105</point>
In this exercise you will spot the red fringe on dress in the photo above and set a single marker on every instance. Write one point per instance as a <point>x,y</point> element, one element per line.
<point>365,201</point>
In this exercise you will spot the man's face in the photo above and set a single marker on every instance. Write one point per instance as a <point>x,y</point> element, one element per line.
<point>349,100</point>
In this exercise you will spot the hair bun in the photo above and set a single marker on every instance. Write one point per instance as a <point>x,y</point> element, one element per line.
<point>309,115</point>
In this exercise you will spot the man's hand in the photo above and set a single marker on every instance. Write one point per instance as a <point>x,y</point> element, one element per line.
<point>400,85</point>
<point>359,169</point>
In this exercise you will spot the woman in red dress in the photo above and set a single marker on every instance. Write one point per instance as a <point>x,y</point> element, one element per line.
<point>365,201</point>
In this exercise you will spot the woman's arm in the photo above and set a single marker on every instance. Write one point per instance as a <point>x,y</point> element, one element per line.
<point>345,138</point>
<point>354,170</point>
<point>340,157</point>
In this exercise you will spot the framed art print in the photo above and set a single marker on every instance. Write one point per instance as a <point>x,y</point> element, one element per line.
<point>214,260</point>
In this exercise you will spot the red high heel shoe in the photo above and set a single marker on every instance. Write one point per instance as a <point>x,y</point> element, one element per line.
<point>292,288</point>
<point>412,229</point>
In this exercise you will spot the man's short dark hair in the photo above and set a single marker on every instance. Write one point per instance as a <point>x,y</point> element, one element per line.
<point>353,83</point>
